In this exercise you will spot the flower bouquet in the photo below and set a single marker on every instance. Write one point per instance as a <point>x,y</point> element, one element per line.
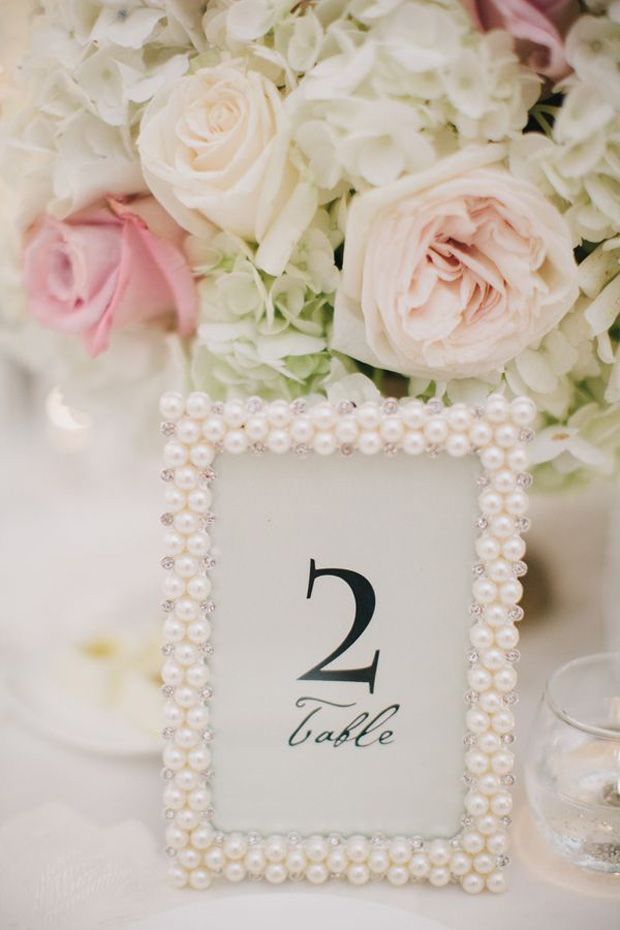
<point>339,197</point>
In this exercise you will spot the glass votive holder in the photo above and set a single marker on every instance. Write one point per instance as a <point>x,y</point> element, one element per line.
<point>573,769</point>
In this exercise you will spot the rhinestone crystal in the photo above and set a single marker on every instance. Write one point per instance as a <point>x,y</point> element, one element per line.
<point>253,405</point>
<point>208,519</point>
<point>168,429</point>
<point>168,732</point>
<point>515,614</point>
<point>207,607</point>
<point>519,569</point>
<point>258,448</point>
<point>346,449</point>
<point>481,523</point>
<point>168,649</point>
<point>390,449</point>
<point>302,450</point>
<point>167,606</point>
<point>502,861</point>
<point>471,697</point>
<point>167,474</point>
<point>435,406</point>
<point>166,519</point>
<point>522,524</point>
<point>345,407</point>
<point>524,480</point>
<point>299,406</point>
<point>513,655</point>
<point>167,562</point>
<point>206,476</point>
<point>390,406</point>
<point>482,481</point>
<point>478,570</point>
<point>526,434</point>
<point>167,691</point>
<point>207,735</point>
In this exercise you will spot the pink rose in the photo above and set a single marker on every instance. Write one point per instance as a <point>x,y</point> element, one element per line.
<point>109,266</point>
<point>537,25</point>
<point>453,271</point>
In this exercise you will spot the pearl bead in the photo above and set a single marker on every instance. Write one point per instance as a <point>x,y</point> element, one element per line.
<point>480,635</point>
<point>488,784</point>
<point>173,586</point>
<point>490,503</point>
<point>186,477</point>
<point>189,858</point>
<point>174,499</point>
<point>503,721</point>
<point>337,861</point>
<point>378,861</point>
<point>504,480</point>
<point>198,544</point>
<point>506,435</point>
<point>175,454</point>
<point>171,405</point>
<point>369,443</point>
<point>296,861</point>
<point>174,797</point>
<point>235,846</point>
<point>215,858</point>
<point>497,843</point>
<point>186,738</point>
<point>497,408</point>
<point>484,590</point>
<point>347,430</point>
<point>392,430</point>
<point>439,876</point>
<point>173,543</point>
<point>175,837</point>
<point>185,609</point>
<point>199,758</point>
<point>197,405</point>
<point>275,848</point>
<point>419,865</point>
<point>513,548</point>
<point>197,675</point>
<point>234,413</point>
<point>257,428</point>
<point>489,742</point>
<point>316,848</point>
<point>479,678</point>
<point>493,659</point>
<point>496,615</point>
<point>516,504</point>
<point>457,444</point>
<point>501,804</point>
<point>234,872</point>
<point>436,430</point>
<point>505,679</point>
<point>502,526</point>
<point>472,883</point>
<point>202,837</point>
<point>278,441</point>
<point>173,713</point>
<point>235,441</point>
<point>358,873</point>
<point>484,863</point>
<point>502,762</point>
<point>279,414</point>
<point>188,431</point>
<point>177,876</point>
<point>324,443</point>
<point>496,882</point>
<point>480,433</point>
<point>199,879</point>
<point>186,819</point>
<point>507,637</point>
<point>357,848</point>
<point>459,417</point>
<point>198,587</point>
<point>517,459</point>
<point>214,429</point>
<point>414,443</point>
<point>199,501</point>
<point>186,566</point>
<point>511,592</point>
<point>255,860</point>
<point>369,416</point>
<point>490,702</point>
<point>492,457</point>
<point>460,864</point>
<point>413,414</point>
<point>275,873</point>
<point>199,799</point>
<point>523,411</point>
<point>476,762</point>
<point>186,523</point>
<point>172,673</point>
<point>476,804</point>
<point>472,842</point>
<point>398,875</point>
<point>199,631</point>
<point>323,416</point>
<point>198,717</point>
<point>499,570</point>
<point>201,455</point>
<point>400,850</point>
<point>302,430</point>
<point>186,697</point>
<point>317,873</point>
<point>173,758</point>
<point>439,852</point>
<point>477,720</point>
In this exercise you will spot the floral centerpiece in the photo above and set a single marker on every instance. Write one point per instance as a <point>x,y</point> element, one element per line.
<point>287,197</point>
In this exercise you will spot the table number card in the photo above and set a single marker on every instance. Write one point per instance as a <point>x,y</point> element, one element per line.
<point>339,684</point>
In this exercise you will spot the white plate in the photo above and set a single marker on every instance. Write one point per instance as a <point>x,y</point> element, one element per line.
<point>286,911</point>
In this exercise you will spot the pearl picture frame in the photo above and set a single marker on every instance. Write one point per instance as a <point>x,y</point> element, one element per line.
<point>197,431</point>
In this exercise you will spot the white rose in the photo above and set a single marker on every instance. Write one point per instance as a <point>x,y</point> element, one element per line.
<point>214,151</point>
<point>452,272</point>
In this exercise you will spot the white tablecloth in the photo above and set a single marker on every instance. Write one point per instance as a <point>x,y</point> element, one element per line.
<point>70,557</point>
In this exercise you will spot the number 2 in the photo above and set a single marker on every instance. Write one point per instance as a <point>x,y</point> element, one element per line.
<point>365,600</point>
